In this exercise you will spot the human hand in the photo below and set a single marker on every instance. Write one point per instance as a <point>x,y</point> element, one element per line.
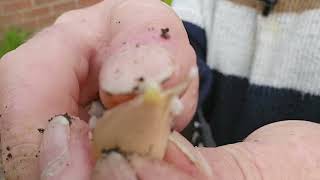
<point>284,150</point>
<point>63,68</point>
<point>57,72</point>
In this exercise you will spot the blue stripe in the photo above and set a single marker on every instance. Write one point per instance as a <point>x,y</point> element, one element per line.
<point>236,108</point>
<point>197,37</point>
<point>198,41</point>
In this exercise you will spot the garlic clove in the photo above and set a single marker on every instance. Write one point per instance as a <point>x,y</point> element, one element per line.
<point>140,126</point>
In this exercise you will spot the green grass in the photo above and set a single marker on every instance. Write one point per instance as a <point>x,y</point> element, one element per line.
<point>169,2</point>
<point>12,39</point>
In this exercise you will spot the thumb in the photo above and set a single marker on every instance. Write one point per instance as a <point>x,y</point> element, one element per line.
<point>65,150</point>
<point>182,161</point>
<point>283,150</point>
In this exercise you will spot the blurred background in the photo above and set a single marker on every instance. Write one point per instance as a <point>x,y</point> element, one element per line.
<point>19,19</point>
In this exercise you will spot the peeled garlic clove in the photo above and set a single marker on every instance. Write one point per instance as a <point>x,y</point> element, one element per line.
<point>140,126</point>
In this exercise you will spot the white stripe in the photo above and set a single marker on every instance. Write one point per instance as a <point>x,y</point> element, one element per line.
<point>281,50</point>
<point>288,52</point>
<point>231,40</point>
<point>193,11</point>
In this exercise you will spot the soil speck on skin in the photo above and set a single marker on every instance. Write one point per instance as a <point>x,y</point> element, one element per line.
<point>9,156</point>
<point>68,117</point>
<point>108,151</point>
<point>165,33</point>
<point>136,88</point>
<point>49,120</point>
<point>41,130</point>
<point>141,79</point>
<point>8,148</point>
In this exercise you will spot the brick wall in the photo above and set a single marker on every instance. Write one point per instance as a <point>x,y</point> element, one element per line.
<point>35,14</point>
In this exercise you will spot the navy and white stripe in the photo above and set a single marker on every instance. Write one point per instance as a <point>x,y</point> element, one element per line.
<point>262,69</point>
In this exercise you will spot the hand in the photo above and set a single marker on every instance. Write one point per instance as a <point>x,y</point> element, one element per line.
<point>58,71</point>
<point>285,150</point>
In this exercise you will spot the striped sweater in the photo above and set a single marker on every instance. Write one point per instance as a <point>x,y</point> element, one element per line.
<point>256,67</point>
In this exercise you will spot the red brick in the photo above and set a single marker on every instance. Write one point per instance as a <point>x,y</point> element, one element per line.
<point>29,26</point>
<point>88,2</point>
<point>38,12</point>
<point>43,22</point>
<point>41,2</point>
<point>4,2</point>
<point>11,19</point>
<point>63,7</point>
<point>15,6</point>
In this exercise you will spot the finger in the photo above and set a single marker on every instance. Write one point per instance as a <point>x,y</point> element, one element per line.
<point>189,100</point>
<point>113,165</point>
<point>116,166</point>
<point>182,161</point>
<point>184,156</point>
<point>272,152</point>
<point>39,80</point>
<point>285,150</point>
<point>157,170</point>
<point>155,48</point>
<point>65,150</point>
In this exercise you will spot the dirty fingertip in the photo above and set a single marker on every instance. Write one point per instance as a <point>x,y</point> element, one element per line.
<point>113,165</point>
<point>54,149</point>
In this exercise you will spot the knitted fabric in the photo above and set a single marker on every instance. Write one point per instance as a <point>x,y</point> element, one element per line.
<point>264,69</point>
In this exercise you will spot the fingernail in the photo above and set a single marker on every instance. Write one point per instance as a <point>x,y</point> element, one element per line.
<point>191,152</point>
<point>54,150</point>
<point>113,165</point>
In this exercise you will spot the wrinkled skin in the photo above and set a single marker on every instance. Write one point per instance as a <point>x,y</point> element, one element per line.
<point>58,71</point>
